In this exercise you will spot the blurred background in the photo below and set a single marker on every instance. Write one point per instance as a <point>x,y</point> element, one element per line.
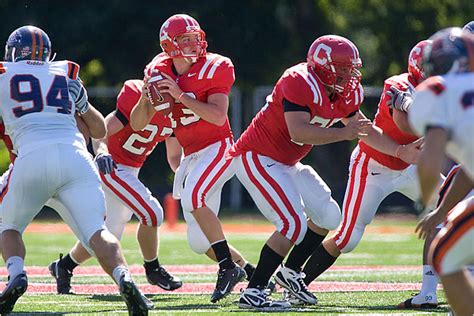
<point>114,40</point>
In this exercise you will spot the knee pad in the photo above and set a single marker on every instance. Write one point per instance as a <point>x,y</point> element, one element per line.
<point>328,217</point>
<point>197,240</point>
<point>354,240</point>
<point>294,234</point>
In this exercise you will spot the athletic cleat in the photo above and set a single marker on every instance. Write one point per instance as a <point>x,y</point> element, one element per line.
<point>62,276</point>
<point>164,279</point>
<point>293,282</point>
<point>293,300</point>
<point>226,280</point>
<point>271,287</point>
<point>254,298</point>
<point>137,303</point>
<point>14,290</point>
<point>420,302</point>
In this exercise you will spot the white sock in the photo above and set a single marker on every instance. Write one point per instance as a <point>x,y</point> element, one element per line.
<point>430,280</point>
<point>15,266</point>
<point>120,271</point>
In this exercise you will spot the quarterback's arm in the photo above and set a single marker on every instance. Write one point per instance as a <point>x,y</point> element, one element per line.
<point>401,121</point>
<point>173,152</point>
<point>143,111</point>
<point>431,162</point>
<point>213,111</point>
<point>95,122</point>
<point>114,125</point>
<point>377,139</point>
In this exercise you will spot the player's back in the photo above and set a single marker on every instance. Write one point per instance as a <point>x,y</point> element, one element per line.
<point>448,102</point>
<point>35,104</point>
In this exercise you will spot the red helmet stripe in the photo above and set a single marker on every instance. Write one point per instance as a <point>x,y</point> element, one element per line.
<point>33,44</point>
<point>40,51</point>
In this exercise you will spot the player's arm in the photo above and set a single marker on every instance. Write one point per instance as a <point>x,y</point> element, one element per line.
<point>173,152</point>
<point>213,111</point>
<point>143,111</point>
<point>401,121</point>
<point>114,125</point>
<point>376,138</point>
<point>431,161</point>
<point>457,191</point>
<point>81,125</point>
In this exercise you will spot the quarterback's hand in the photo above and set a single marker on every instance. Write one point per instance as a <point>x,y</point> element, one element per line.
<point>357,128</point>
<point>428,224</point>
<point>105,163</point>
<point>170,86</point>
<point>399,100</point>
<point>79,95</point>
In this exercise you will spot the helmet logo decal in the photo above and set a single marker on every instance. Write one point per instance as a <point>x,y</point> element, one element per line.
<point>415,51</point>
<point>325,59</point>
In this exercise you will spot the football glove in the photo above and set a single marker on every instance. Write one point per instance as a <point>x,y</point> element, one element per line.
<point>79,95</point>
<point>105,163</point>
<point>399,100</point>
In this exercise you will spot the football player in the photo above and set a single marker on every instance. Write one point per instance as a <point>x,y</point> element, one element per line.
<point>38,102</point>
<point>443,111</point>
<point>120,155</point>
<point>306,101</point>
<point>427,296</point>
<point>373,175</point>
<point>200,82</point>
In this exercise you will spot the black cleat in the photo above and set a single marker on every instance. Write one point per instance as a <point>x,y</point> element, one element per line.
<point>62,276</point>
<point>15,288</point>
<point>163,279</point>
<point>226,280</point>
<point>137,303</point>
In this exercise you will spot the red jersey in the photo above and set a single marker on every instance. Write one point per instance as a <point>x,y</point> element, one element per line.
<point>209,75</point>
<point>268,133</point>
<point>7,141</point>
<point>384,120</point>
<point>127,146</point>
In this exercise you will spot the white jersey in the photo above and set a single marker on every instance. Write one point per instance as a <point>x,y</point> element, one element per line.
<point>36,106</point>
<point>448,102</point>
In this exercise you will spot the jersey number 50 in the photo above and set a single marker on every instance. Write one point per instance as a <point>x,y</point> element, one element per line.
<point>58,95</point>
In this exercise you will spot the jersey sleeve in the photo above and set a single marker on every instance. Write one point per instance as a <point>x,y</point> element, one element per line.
<point>428,108</point>
<point>297,91</point>
<point>223,78</point>
<point>129,96</point>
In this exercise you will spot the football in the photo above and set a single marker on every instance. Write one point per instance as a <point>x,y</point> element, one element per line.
<point>162,102</point>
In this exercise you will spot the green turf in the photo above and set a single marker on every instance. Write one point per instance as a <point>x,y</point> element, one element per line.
<point>375,249</point>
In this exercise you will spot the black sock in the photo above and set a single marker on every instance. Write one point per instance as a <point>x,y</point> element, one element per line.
<point>250,270</point>
<point>319,262</point>
<point>301,252</point>
<point>222,252</point>
<point>67,263</point>
<point>267,265</point>
<point>151,266</point>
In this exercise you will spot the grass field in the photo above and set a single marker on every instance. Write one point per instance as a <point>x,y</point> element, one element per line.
<point>389,244</point>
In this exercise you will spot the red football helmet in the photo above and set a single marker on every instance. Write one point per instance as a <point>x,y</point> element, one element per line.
<point>182,24</point>
<point>415,68</point>
<point>336,62</point>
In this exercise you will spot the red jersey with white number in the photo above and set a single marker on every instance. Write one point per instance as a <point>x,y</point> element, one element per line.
<point>268,133</point>
<point>8,142</point>
<point>209,75</point>
<point>127,146</point>
<point>384,120</point>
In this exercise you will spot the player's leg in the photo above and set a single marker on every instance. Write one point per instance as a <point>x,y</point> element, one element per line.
<point>86,218</point>
<point>323,212</point>
<point>368,184</point>
<point>427,297</point>
<point>3,185</point>
<point>27,190</point>
<point>129,195</point>
<point>271,186</point>
<point>206,174</point>
<point>449,254</point>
